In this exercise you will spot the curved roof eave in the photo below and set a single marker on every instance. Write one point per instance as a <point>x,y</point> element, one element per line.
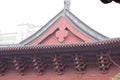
<point>64,47</point>
<point>78,24</point>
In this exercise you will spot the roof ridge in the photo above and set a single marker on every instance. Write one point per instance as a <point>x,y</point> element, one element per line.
<point>77,23</point>
<point>84,27</point>
<point>46,26</point>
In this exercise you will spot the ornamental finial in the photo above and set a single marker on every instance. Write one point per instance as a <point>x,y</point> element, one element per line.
<point>67,4</point>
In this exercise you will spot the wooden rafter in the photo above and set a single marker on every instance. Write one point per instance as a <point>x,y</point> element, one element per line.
<point>38,64</point>
<point>80,63</point>
<point>103,62</point>
<point>19,64</point>
<point>58,64</point>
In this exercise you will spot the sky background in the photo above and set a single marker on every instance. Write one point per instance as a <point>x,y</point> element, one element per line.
<point>104,18</point>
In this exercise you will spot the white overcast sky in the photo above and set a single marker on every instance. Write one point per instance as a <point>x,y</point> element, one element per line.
<point>103,18</point>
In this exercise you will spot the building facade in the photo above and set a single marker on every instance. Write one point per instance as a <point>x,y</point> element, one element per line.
<point>64,49</point>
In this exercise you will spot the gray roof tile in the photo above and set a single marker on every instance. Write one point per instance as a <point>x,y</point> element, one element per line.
<point>78,24</point>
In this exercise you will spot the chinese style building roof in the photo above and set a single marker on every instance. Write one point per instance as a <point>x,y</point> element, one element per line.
<point>61,56</point>
<point>67,16</point>
<point>63,47</point>
<point>64,43</point>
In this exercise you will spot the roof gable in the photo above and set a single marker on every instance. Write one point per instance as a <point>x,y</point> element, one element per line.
<point>61,29</point>
<point>63,21</point>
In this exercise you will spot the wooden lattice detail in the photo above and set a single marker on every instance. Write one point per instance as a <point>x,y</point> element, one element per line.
<point>79,63</point>
<point>38,64</point>
<point>3,67</point>
<point>103,62</point>
<point>58,64</point>
<point>20,65</point>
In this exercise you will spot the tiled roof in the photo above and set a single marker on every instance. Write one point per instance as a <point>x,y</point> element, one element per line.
<point>64,47</point>
<point>78,24</point>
